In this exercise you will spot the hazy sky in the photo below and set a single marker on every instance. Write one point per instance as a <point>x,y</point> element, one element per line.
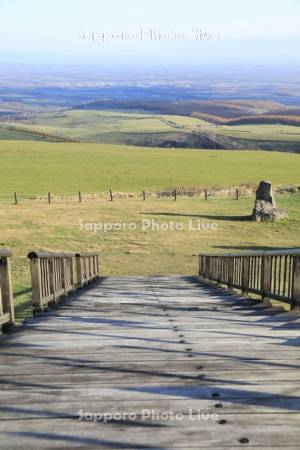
<point>261,31</point>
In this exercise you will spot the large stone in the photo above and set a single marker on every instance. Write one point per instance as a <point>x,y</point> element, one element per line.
<point>265,206</point>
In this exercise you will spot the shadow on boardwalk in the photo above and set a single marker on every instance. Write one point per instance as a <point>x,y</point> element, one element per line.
<point>130,344</point>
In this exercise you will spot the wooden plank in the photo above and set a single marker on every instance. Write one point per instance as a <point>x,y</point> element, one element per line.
<point>4,318</point>
<point>55,365</point>
<point>41,392</point>
<point>261,430</point>
<point>140,377</point>
<point>37,409</point>
<point>163,343</point>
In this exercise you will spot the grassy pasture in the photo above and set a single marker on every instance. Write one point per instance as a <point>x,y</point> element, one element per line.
<point>6,132</point>
<point>84,125</point>
<point>263,132</point>
<point>38,167</point>
<point>116,126</point>
<point>146,249</point>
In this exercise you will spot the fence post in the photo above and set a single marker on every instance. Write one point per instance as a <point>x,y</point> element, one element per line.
<point>205,194</point>
<point>200,270</point>
<point>79,196</point>
<point>266,276</point>
<point>175,195</point>
<point>63,275</point>
<point>72,273</point>
<point>52,278</point>
<point>111,195</point>
<point>237,194</point>
<point>218,261</point>
<point>49,198</point>
<point>144,195</point>
<point>79,275</point>
<point>97,265</point>
<point>36,283</point>
<point>207,266</point>
<point>230,264</point>
<point>6,292</point>
<point>16,198</point>
<point>245,274</point>
<point>296,282</point>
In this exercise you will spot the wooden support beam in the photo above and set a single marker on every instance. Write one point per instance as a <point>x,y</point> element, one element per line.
<point>295,303</point>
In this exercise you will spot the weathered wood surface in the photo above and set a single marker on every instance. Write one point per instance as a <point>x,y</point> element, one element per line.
<point>269,273</point>
<point>7,315</point>
<point>52,275</point>
<point>170,344</point>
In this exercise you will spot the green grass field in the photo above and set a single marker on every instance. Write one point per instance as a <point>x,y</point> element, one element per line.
<point>262,132</point>
<point>8,132</point>
<point>146,249</point>
<point>117,126</point>
<point>91,125</point>
<point>39,167</point>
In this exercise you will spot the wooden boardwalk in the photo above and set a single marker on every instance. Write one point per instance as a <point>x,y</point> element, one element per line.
<point>170,344</point>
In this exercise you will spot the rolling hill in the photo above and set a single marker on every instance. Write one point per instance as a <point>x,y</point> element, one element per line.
<point>157,130</point>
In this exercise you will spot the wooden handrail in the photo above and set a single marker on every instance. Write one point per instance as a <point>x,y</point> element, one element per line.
<point>7,315</point>
<point>87,267</point>
<point>53,275</point>
<point>273,274</point>
<point>5,253</point>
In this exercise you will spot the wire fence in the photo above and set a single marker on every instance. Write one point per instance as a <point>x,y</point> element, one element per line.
<point>16,198</point>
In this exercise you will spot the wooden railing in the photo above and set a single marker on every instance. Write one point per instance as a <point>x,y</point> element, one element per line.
<point>53,275</point>
<point>269,274</point>
<point>6,295</point>
<point>87,267</point>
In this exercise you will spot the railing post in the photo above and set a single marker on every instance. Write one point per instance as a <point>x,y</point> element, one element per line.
<point>219,269</point>
<point>36,283</point>
<point>85,272</point>
<point>245,274</point>
<point>57,276</point>
<point>90,266</point>
<point>64,275</point>
<point>207,272</point>
<point>72,272</point>
<point>6,292</point>
<point>52,278</point>
<point>230,265</point>
<point>97,265</point>
<point>79,269</point>
<point>295,303</point>
<point>207,267</point>
<point>200,265</point>
<point>266,276</point>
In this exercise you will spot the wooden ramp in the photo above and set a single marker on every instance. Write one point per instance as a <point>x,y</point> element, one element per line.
<point>218,371</point>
